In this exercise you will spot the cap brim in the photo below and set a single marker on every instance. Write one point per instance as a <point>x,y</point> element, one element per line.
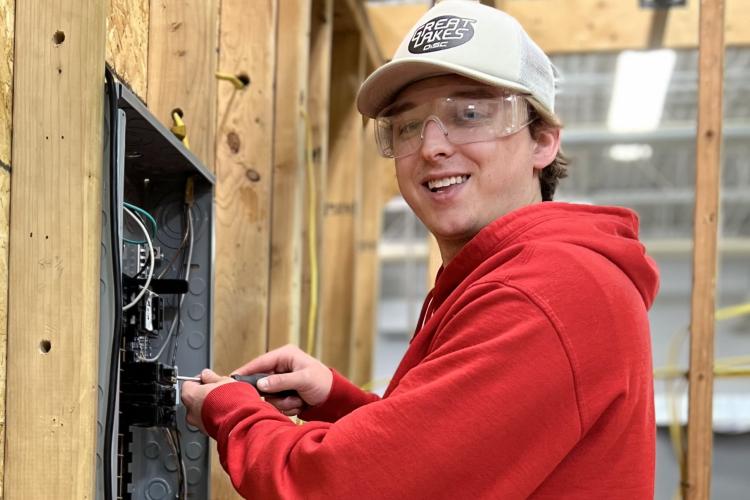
<point>383,85</point>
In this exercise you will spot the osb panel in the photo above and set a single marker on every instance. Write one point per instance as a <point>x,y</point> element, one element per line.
<point>127,42</point>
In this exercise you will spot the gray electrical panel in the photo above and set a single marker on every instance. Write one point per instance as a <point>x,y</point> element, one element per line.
<point>163,202</point>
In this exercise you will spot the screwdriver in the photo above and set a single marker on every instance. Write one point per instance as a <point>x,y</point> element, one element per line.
<point>252,380</point>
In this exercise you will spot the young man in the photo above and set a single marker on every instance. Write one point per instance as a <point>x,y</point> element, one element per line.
<point>529,374</point>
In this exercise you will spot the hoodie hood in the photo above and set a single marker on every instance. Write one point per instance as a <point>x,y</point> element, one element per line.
<point>611,232</point>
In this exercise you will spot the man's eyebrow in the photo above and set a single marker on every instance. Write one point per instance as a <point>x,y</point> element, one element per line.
<point>400,107</point>
<point>476,92</point>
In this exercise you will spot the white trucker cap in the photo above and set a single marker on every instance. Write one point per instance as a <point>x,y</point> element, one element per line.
<point>470,39</point>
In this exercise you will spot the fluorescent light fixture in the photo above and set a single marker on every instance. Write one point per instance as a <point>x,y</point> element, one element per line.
<point>640,87</point>
<point>627,153</point>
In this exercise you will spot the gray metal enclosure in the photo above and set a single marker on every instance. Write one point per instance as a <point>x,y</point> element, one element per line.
<point>158,174</point>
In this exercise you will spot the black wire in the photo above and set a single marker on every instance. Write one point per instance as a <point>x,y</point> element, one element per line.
<point>109,423</point>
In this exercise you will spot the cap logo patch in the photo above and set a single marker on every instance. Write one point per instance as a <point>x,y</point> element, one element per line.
<point>440,33</point>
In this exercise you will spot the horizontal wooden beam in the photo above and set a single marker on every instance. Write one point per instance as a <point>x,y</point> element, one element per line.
<point>579,25</point>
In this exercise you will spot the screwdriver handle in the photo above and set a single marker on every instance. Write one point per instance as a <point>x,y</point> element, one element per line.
<point>253,380</point>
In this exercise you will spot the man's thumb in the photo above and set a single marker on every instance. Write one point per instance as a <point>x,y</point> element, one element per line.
<point>278,382</point>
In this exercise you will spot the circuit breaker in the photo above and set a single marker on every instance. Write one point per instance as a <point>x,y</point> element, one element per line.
<point>156,306</point>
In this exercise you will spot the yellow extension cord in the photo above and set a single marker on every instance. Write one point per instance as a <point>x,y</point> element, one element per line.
<point>673,375</point>
<point>312,237</point>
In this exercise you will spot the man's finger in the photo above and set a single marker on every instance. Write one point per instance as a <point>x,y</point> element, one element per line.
<point>282,381</point>
<point>283,404</point>
<point>209,376</point>
<point>264,363</point>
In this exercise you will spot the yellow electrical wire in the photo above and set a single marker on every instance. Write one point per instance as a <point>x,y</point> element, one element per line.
<point>179,128</point>
<point>673,375</point>
<point>233,79</point>
<point>732,311</point>
<point>312,237</point>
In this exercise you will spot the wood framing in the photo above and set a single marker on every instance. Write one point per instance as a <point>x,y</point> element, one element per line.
<point>7,11</point>
<point>53,313</point>
<point>244,150</point>
<point>697,484</point>
<point>292,56</point>
<point>361,20</point>
<point>339,206</point>
<point>578,25</point>
<point>321,34</point>
<point>366,263</point>
<point>127,42</point>
<point>181,68</point>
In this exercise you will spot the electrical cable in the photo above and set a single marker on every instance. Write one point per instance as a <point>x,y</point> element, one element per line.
<point>188,265</point>
<point>673,376</point>
<point>176,321</point>
<point>150,274</point>
<point>176,254</point>
<point>312,237</point>
<point>173,438</point>
<point>145,214</point>
<point>109,421</point>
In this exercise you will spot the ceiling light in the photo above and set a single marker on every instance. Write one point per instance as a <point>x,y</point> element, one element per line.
<point>630,152</point>
<point>639,90</point>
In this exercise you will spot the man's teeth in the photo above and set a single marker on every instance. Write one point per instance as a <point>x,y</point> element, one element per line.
<point>448,181</point>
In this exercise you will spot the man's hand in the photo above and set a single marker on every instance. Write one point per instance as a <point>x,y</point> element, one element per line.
<point>193,394</point>
<point>293,369</point>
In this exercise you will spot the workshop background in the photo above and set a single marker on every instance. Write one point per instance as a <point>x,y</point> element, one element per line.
<point>312,243</point>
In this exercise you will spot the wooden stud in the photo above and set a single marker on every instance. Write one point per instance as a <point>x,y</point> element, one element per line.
<point>244,151</point>
<point>590,25</point>
<point>292,56</point>
<point>362,21</point>
<point>697,484</point>
<point>339,206</point>
<point>127,42</point>
<point>181,67</point>
<point>7,10</point>
<point>321,34</point>
<point>55,233</point>
<point>366,268</point>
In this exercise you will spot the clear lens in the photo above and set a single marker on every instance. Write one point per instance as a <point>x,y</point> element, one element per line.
<point>400,130</point>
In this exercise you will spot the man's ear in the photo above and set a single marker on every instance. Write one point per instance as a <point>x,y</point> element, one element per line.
<point>546,147</point>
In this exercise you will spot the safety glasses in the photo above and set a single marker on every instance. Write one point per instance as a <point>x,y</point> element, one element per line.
<point>400,128</point>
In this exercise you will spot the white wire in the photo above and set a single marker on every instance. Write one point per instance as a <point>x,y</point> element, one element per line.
<point>182,299</point>
<point>172,439</point>
<point>144,288</point>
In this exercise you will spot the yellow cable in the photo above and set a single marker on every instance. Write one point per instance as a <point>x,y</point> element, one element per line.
<point>312,237</point>
<point>732,311</point>
<point>673,376</point>
<point>179,128</point>
<point>233,79</point>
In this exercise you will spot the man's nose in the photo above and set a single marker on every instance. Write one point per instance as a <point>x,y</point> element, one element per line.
<point>435,140</point>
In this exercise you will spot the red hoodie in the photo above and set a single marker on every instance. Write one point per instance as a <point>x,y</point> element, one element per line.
<point>529,376</point>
